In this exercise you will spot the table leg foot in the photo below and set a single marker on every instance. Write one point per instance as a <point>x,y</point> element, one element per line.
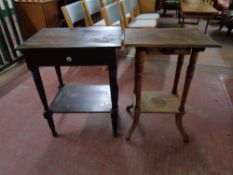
<point>181,128</point>
<point>48,116</point>
<point>55,134</point>
<point>134,125</point>
<point>129,107</point>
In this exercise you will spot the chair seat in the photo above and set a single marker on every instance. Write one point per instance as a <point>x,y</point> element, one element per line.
<point>100,23</point>
<point>117,23</point>
<point>128,15</point>
<point>154,16</point>
<point>143,23</point>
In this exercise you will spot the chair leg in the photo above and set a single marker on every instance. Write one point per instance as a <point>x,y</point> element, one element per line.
<point>229,31</point>
<point>222,23</point>
<point>164,11</point>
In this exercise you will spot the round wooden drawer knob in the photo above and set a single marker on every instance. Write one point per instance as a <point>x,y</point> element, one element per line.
<point>68,59</point>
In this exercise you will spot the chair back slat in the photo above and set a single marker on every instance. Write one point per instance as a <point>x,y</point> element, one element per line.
<point>93,6</point>
<point>112,13</point>
<point>126,6</point>
<point>125,9</point>
<point>73,13</point>
<point>105,2</point>
<point>133,4</point>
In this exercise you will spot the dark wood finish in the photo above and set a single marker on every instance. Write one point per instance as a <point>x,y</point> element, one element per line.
<point>36,15</point>
<point>59,76</point>
<point>178,41</point>
<point>71,98</point>
<point>72,47</point>
<point>112,67</point>
<point>40,88</point>
<point>65,38</point>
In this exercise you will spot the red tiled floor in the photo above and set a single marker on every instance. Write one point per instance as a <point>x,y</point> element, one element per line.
<point>86,145</point>
<point>228,83</point>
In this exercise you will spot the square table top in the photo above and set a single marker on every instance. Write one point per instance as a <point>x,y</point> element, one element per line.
<point>85,37</point>
<point>200,7</point>
<point>168,38</point>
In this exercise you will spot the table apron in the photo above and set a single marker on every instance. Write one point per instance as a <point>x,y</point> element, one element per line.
<point>70,57</point>
<point>198,15</point>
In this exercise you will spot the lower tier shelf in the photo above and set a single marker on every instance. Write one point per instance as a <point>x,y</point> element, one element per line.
<point>89,98</point>
<point>161,102</point>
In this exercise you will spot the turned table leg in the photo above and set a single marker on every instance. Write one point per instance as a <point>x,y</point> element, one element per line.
<point>139,61</point>
<point>40,88</point>
<point>59,76</point>
<point>188,80</point>
<point>177,75</point>
<point>114,94</point>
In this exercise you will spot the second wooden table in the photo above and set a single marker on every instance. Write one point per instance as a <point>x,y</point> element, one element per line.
<point>170,41</point>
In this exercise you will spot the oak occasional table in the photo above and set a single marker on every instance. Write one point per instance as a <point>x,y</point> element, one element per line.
<point>169,41</point>
<point>75,47</point>
<point>198,10</point>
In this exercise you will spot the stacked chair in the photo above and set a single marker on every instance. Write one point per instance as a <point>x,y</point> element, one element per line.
<point>103,3</point>
<point>112,15</point>
<point>92,8</point>
<point>74,13</point>
<point>124,13</point>
<point>136,14</point>
<point>137,20</point>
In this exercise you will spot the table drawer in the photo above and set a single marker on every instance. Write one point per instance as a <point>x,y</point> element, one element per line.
<point>71,57</point>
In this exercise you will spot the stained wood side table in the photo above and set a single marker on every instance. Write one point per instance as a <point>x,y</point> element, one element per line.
<point>75,47</point>
<point>169,41</point>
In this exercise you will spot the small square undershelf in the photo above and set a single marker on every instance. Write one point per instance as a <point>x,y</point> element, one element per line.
<point>89,98</point>
<point>161,102</point>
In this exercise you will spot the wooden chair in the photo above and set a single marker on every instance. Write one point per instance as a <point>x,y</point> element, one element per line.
<point>103,3</point>
<point>92,8</point>
<point>133,23</point>
<point>74,13</point>
<point>112,15</point>
<point>171,5</point>
<point>136,14</point>
<point>211,2</point>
